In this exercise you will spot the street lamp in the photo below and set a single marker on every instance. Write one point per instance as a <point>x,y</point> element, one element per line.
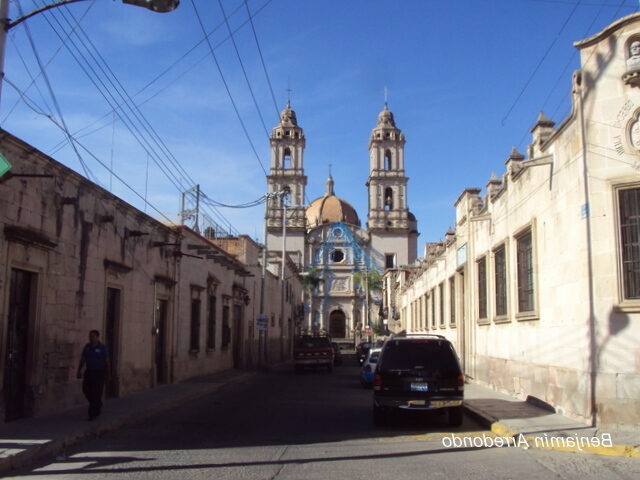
<point>160,6</point>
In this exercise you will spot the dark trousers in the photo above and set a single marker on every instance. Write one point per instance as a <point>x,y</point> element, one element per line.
<point>92,387</point>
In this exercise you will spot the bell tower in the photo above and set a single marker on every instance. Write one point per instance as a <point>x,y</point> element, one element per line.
<point>286,174</point>
<point>389,219</point>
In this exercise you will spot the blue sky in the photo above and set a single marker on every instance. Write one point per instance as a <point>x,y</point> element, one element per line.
<point>466,81</point>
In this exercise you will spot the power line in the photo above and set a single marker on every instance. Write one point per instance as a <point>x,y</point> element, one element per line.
<point>264,66</point>
<point>53,56</point>
<point>226,86</point>
<point>170,67</point>
<point>535,70</point>
<point>27,30</point>
<point>32,105</point>
<point>137,114</point>
<point>244,71</point>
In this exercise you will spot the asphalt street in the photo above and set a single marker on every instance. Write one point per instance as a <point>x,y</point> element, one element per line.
<point>306,426</point>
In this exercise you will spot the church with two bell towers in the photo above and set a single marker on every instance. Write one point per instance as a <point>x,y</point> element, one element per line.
<point>326,237</point>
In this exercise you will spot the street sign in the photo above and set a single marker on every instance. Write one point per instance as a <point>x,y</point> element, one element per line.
<point>5,166</point>
<point>262,322</point>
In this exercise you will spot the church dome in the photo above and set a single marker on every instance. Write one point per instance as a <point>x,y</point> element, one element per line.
<point>330,209</point>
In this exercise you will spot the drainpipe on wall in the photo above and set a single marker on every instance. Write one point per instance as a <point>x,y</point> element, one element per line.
<point>593,347</point>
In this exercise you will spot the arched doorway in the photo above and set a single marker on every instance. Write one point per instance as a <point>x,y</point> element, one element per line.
<point>337,324</point>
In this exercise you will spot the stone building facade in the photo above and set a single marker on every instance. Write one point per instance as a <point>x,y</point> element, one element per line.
<point>169,303</point>
<point>539,284</point>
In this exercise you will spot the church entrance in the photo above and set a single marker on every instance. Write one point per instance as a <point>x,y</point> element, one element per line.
<point>337,324</point>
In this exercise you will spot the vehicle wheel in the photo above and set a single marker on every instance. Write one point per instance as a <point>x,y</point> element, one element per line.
<point>455,416</point>
<point>330,367</point>
<point>379,416</point>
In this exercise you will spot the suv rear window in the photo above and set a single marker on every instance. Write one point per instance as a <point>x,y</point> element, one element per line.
<point>428,356</point>
<point>313,342</point>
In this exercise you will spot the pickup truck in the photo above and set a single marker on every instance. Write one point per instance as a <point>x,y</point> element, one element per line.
<point>312,351</point>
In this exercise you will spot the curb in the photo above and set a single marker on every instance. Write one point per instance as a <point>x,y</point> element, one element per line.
<point>503,430</point>
<point>55,446</point>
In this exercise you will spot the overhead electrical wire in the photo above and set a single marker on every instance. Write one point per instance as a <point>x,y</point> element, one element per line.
<point>244,70</point>
<point>53,56</point>
<point>537,67</point>
<point>54,99</point>
<point>170,67</point>
<point>226,86</point>
<point>34,107</point>
<point>127,120</point>
<point>264,66</point>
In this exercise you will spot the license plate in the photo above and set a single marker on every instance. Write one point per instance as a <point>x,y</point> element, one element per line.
<point>419,387</point>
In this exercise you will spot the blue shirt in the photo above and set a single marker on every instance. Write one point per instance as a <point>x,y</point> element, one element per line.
<point>95,357</point>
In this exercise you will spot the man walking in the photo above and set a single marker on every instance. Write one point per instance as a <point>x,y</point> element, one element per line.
<point>95,356</point>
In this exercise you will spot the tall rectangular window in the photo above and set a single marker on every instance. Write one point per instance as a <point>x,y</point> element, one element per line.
<point>629,202</point>
<point>211,323</point>
<point>482,287</point>
<point>452,300</point>
<point>500,267</point>
<point>441,294</point>
<point>525,273</point>
<point>433,308</point>
<point>390,260</point>
<point>194,338</point>
<point>226,329</point>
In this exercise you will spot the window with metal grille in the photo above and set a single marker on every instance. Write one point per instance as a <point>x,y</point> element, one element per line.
<point>226,329</point>
<point>452,300</point>
<point>433,308</point>
<point>194,338</point>
<point>482,287</point>
<point>500,266</point>
<point>441,294</point>
<point>211,323</point>
<point>629,204</point>
<point>525,273</point>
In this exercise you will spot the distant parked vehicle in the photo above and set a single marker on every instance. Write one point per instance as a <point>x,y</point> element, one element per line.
<point>312,351</point>
<point>337,353</point>
<point>369,367</point>
<point>361,351</point>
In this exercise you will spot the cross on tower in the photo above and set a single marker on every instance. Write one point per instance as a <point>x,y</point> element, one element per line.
<point>288,90</point>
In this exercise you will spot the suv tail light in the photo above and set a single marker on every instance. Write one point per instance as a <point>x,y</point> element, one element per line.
<point>460,380</point>
<point>377,383</point>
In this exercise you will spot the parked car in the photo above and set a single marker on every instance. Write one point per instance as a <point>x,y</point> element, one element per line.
<point>361,351</point>
<point>418,372</point>
<point>312,351</point>
<point>337,353</point>
<point>368,367</point>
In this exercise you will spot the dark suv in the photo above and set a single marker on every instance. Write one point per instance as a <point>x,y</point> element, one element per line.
<point>418,372</point>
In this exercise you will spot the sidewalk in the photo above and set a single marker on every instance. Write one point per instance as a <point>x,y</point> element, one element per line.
<point>23,441</point>
<point>542,428</point>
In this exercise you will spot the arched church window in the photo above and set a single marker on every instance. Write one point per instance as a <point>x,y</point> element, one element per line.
<point>387,160</point>
<point>286,158</point>
<point>388,198</point>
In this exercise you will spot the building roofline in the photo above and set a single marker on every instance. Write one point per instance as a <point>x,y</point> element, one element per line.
<point>607,31</point>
